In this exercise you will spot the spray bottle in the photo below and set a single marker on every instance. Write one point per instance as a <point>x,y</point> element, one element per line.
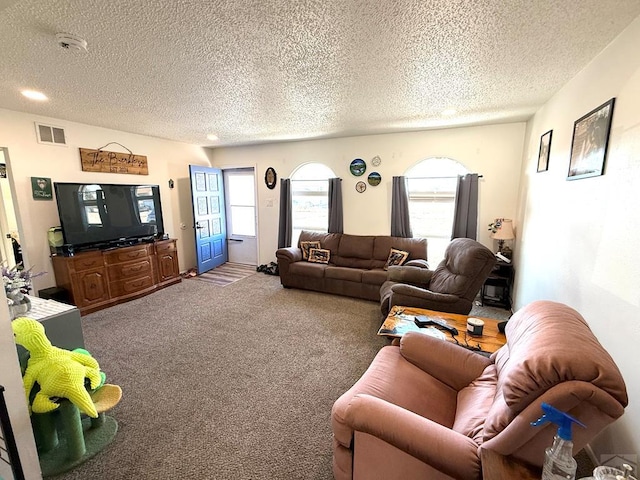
<point>559,463</point>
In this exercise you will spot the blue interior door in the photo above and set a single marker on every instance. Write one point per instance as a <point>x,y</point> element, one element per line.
<point>207,198</point>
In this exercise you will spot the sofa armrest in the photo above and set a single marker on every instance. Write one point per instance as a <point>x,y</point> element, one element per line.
<point>410,274</point>
<point>440,447</point>
<point>423,294</point>
<point>418,262</point>
<point>289,254</point>
<point>451,364</point>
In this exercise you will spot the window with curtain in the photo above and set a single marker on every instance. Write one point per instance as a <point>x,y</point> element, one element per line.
<point>310,199</point>
<point>431,188</point>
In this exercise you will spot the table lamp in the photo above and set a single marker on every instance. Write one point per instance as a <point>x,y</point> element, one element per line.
<point>503,231</point>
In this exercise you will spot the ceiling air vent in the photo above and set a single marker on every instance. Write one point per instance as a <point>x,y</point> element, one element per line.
<point>50,135</point>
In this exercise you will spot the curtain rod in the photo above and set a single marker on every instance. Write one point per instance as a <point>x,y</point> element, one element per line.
<point>433,178</point>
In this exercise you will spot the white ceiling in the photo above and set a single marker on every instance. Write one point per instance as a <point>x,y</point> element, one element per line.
<point>273,70</point>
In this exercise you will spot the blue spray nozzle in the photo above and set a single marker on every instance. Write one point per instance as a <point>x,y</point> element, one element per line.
<point>563,420</point>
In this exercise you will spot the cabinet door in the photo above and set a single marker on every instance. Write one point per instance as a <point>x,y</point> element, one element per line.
<point>167,266</point>
<point>90,287</point>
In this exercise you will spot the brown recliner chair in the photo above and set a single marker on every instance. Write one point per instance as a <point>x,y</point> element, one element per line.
<point>426,408</point>
<point>451,287</point>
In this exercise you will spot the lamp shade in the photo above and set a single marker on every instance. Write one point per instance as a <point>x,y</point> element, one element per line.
<point>505,232</point>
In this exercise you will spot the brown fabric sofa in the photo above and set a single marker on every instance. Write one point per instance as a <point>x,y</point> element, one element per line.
<point>356,264</point>
<point>426,408</point>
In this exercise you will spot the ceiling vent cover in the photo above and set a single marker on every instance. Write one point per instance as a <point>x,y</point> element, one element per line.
<point>69,41</point>
<point>50,135</point>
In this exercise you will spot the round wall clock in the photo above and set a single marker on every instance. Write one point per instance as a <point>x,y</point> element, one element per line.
<point>357,167</point>
<point>376,161</point>
<point>270,178</point>
<point>361,187</point>
<point>374,179</point>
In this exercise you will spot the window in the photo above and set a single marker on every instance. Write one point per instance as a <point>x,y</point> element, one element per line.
<point>310,199</point>
<point>431,187</point>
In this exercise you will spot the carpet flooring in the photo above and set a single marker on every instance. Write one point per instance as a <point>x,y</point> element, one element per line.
<point>226,274</point>
<point>228,383</point>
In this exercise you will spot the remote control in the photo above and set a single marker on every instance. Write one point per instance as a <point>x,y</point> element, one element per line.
<point>423,321</point>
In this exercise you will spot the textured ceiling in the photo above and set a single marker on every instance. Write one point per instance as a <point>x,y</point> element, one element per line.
<point>273,70</point>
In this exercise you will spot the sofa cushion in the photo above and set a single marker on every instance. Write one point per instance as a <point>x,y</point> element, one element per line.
<point>375,276</point>
<point>344,273</point>
<point>417,247</point>
<point>305,246</point>
<point>319,255</point>
<point>356,246</point>
<point>538,358</point>
<point>327,240</point>
<point>474,403</point>
<point>396,257</point>
<point>307,269</point>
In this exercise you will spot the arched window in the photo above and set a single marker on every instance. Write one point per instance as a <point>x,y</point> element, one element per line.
<point>310,199</point>
<point>432,190</point>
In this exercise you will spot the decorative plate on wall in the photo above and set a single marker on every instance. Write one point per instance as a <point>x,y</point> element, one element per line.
<point>374,179</point>
<point>361,187</point>
<point>376,161</point>
<point>357,167</point>
<point>270,178</point>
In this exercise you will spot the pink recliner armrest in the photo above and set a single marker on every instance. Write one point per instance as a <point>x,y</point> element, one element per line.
<point>444,449</point>
<point>451,364</point>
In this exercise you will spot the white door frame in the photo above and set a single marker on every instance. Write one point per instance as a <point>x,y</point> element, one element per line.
<point>226,168</point>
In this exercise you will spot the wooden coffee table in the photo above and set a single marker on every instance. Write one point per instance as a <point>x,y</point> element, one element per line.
<point>400,321</point>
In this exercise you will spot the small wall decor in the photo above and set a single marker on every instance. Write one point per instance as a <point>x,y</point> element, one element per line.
<point>3,170</point>
<point>41,188</point>
<point>374,179</point>
<point>361,187</point>
<point>357,167</point>
<point>590,142</point>
<point>543,153</point>
<point>113,162</point>
<point>270,178</point>
<point>376,161</point>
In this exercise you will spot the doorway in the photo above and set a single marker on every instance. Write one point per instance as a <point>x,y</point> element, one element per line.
<point>10,250</point>
<point>240,206</point>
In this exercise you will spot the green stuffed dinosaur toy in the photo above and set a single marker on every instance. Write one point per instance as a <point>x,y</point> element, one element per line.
<point>60,373</point>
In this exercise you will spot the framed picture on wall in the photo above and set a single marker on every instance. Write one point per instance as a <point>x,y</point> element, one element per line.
<point>545,149</point>
<point>590,142</point>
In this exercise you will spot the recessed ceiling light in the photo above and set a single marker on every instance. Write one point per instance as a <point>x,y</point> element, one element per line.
<point>213,137</point>
<point>33,95</point>
<point>449,111</point>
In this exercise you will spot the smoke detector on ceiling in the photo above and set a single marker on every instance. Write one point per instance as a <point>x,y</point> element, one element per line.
<point>71,42</point>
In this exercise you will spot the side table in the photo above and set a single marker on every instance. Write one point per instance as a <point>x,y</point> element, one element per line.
<point>499,467</point>
<point>500,280</point>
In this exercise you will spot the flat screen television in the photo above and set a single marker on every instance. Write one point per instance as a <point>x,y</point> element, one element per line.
<point>103,215</point>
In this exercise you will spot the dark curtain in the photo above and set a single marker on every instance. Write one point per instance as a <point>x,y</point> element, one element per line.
<point>400,222</point>
<point>465,217</point>
<point>285,230</point>
<point>335,206</point>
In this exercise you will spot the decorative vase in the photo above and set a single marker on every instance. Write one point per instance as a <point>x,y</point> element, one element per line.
<point>20,305</point>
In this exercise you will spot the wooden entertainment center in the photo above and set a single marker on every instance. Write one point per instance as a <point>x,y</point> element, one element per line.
<point>101,278</point>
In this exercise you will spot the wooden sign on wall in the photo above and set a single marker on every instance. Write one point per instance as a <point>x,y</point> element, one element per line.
<point>113,162</point>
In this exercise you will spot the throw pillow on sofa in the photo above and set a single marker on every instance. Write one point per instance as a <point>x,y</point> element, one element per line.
<point>396,257</point>
<point>319,255</point>
<point>306,246</point>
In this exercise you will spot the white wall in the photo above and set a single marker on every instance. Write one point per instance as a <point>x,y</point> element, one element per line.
<point>579,241</point>
<point>28,158</point>
<point>166,160</point>
<point>494,151</point>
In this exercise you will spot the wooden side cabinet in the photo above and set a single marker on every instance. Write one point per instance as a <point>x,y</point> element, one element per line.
<point>101,278</point>
<point>496,290</point>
